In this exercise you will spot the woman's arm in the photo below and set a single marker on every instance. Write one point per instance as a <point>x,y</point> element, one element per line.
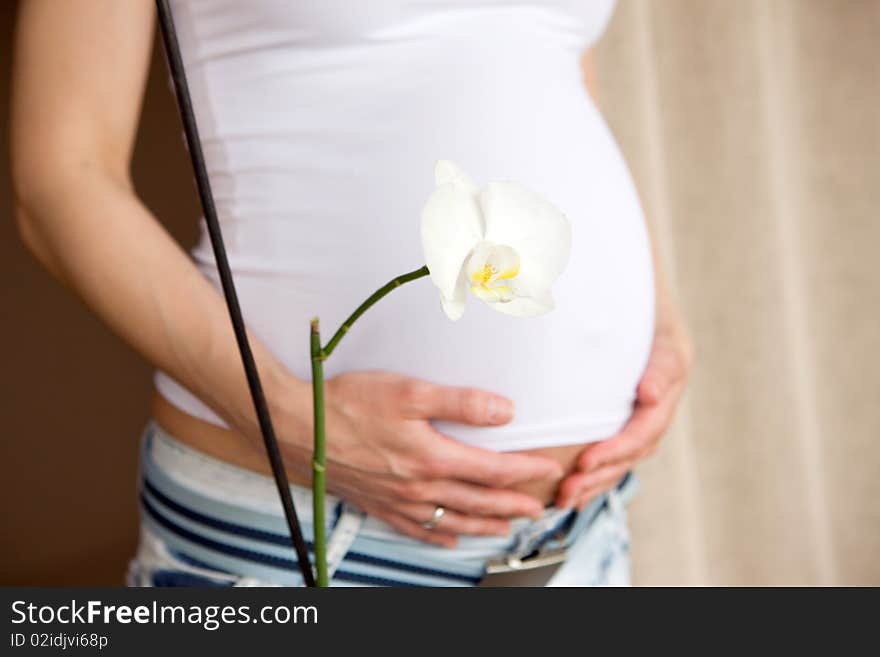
<point>79,75</point>
<point>589,73</point>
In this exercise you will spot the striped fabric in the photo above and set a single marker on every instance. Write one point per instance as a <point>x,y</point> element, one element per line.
<point>205,522</point>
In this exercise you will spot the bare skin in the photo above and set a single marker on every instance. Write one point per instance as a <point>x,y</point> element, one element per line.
<point>78,81</point>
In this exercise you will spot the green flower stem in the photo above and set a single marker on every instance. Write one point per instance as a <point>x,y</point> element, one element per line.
<point>319,456</point>
<point>373,298</point>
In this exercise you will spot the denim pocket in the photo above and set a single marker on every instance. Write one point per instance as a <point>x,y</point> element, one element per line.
<point>600,555</point>
<point>156,565</point>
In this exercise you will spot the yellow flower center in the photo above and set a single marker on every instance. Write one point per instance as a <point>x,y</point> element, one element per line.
<point>490,281</point>
<point>484,275</point>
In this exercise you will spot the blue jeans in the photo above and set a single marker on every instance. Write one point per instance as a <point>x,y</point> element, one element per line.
<point>206,522</point>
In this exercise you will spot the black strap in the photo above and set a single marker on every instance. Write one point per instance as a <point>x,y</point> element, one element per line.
<point>175,63</point>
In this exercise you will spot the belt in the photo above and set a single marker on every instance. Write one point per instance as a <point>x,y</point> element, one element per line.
<point>535,563</point>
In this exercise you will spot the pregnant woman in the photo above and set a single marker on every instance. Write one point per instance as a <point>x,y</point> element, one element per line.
<point>455,449</point>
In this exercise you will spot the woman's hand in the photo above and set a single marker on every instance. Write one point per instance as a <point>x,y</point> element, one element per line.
<point>384,456</point>
<point>601,465</point>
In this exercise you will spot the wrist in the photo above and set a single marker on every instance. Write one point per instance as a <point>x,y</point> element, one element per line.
<point>666,313</point>
<point>668,318</point>
<point>670,322</point>
<point>290,405</point>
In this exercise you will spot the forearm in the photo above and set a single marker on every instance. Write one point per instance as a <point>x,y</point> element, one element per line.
<point>668,314</point>
<point>91,231</point>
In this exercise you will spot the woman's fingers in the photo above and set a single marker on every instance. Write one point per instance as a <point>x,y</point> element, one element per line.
<point>386,457</point>
<point>467,499</point>
<point>443,457</point>
<point>411,528</point>
<point>450,459</point>
<point>601,482</point>
<point>475,500</point>
<point>424,400</point>
<point>572,490</point>
<point>644,428</point>
<point>453,522</point>
<point>637,440</point>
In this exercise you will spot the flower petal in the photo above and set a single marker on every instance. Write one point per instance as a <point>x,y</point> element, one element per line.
<point>450,172</point>
<point>451,226</point>
<point>531,306</point>
<point>540,234</point>
<point>454,306</point>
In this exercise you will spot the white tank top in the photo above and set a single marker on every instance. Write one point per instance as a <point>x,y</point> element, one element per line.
<point>321,122</point>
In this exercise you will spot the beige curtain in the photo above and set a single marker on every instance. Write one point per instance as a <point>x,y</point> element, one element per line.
<point>753,131</point>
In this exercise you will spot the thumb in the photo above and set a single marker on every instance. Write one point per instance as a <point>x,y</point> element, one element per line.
<point>465,405</point>
<point>655,380</point>
<point>651,388</point>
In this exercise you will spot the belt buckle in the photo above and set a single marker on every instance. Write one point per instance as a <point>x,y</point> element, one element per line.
<point>534,569</point>
<point>538,559</point>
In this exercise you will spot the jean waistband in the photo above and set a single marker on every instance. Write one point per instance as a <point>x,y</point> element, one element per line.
<point>213,503</point>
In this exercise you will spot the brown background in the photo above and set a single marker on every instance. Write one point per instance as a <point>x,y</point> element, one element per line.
<point>73,397</point>
<point>753,133</point>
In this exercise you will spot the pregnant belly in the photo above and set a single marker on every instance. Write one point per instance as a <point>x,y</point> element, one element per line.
<point>571,374</point>
<point>316,244</point>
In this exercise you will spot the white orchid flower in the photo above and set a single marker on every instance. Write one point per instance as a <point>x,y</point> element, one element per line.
<point>503,242</point>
